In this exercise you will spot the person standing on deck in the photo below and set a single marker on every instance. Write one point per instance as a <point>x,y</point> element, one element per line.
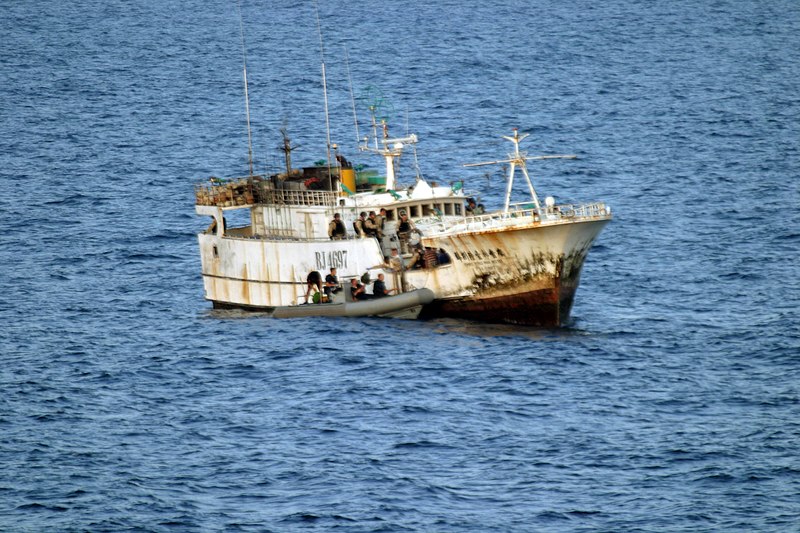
<point>371,226</point>
<point>336,229</point>
<point>404,228</point>
<point>380,221</point>
<point>358,225</point>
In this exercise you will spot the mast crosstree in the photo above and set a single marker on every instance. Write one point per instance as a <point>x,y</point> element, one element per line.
<point>518,159</point>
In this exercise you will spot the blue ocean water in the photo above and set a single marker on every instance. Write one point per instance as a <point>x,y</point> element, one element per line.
<point>671,403</point>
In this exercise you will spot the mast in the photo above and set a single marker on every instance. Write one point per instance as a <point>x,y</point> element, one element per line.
<point>246,96</point>
<point>391,150</point>
<point>325,96</point>
<point>287,151</point>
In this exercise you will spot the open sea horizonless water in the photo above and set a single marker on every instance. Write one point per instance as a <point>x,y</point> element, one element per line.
<point>670,403</point>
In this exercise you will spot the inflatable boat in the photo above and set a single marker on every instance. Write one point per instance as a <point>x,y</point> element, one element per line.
<point>406,305</point>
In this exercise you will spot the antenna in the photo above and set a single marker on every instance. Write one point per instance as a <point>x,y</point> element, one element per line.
<point>325,95</point>
<point>518,159</point>
<point>352,96</point>
<point>416,162</point>
<point>246,97</point>
<point>414,149</point>
<point>379,110</point>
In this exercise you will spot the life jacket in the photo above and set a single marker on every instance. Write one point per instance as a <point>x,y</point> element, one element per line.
<point>339,228</point>
<point>404,227</point>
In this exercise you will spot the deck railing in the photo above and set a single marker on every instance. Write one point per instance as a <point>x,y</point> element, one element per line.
<point>256,190</point>
<point>296,197</point>
<point>519,214</point>
<point>224,193</point>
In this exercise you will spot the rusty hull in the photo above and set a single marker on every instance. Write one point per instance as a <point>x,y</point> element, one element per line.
<point>527,276</point>
<point>549,307</point>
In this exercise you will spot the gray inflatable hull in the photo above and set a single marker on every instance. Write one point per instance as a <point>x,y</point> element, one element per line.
<point>406,305</point>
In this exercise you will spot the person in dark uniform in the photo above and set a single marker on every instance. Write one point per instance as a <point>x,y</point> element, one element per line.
<point>336,229</point>
<point>379,288</point>
<point>469,210</point>
<point>331,284</point>
<point>358,291</point>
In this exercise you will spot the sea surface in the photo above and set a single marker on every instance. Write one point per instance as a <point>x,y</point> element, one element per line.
<point>670,403</point>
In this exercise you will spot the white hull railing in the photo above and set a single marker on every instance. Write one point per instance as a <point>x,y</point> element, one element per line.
<point>520,214</point>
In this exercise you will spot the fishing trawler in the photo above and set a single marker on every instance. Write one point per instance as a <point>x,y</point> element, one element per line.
<point>520,264</point>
